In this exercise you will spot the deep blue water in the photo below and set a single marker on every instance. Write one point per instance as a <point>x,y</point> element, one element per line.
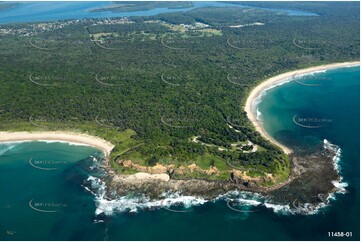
<point>51,11</point>
<point>332,98</point>
<point>77,200</point>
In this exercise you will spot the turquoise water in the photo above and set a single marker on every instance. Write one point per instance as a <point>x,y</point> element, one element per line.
<point>50,11</point>
<point>59,180</point>
<point>331,101</point>
<point>59,190</point>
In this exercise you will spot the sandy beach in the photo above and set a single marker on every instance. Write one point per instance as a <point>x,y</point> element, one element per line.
<point>78,138</point>
<point>276,80</point>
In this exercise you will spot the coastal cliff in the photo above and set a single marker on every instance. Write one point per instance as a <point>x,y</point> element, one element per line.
<point>311,182</point>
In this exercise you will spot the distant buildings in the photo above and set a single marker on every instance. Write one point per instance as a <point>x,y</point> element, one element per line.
<point>196,25</point>
<point>37,28</point>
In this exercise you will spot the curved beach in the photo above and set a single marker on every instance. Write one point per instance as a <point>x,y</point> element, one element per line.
<point>277,80</point>
<point>61,136</point>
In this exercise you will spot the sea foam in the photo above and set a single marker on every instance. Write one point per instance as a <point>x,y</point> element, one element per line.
<point>286,80</point>
<point>340,186</point>
<point>5,147</point>
<point>63,142</point>
<point>259,115</point>
<point>133,204</point>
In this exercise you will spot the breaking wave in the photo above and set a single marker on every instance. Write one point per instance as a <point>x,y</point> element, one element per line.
<point>133,204</point>
<point>256,200</point>
<point>12,144</point>
<point>64,142</point>
<point>5,147</point>
<point>259,115</point>
<point>339,185</point>
<point>259,98</point>
<point>310,73</point>
<point>281,82</point>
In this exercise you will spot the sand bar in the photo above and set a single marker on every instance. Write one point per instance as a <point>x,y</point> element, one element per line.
<point>276,80</point>
<point>62,136</point>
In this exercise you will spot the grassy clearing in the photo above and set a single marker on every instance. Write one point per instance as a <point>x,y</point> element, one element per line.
<point>175,28</point>
<point>211,32</point>
<point>207,160</point>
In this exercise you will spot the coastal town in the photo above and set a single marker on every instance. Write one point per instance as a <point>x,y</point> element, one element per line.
<point>38,28</point>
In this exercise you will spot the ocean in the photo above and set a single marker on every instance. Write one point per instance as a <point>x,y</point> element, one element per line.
<point>54,191</point>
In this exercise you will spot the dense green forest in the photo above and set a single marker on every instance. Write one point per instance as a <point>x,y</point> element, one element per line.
<point>169,88</point>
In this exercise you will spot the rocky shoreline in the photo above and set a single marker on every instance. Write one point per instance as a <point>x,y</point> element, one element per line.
<point>310,182</point>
